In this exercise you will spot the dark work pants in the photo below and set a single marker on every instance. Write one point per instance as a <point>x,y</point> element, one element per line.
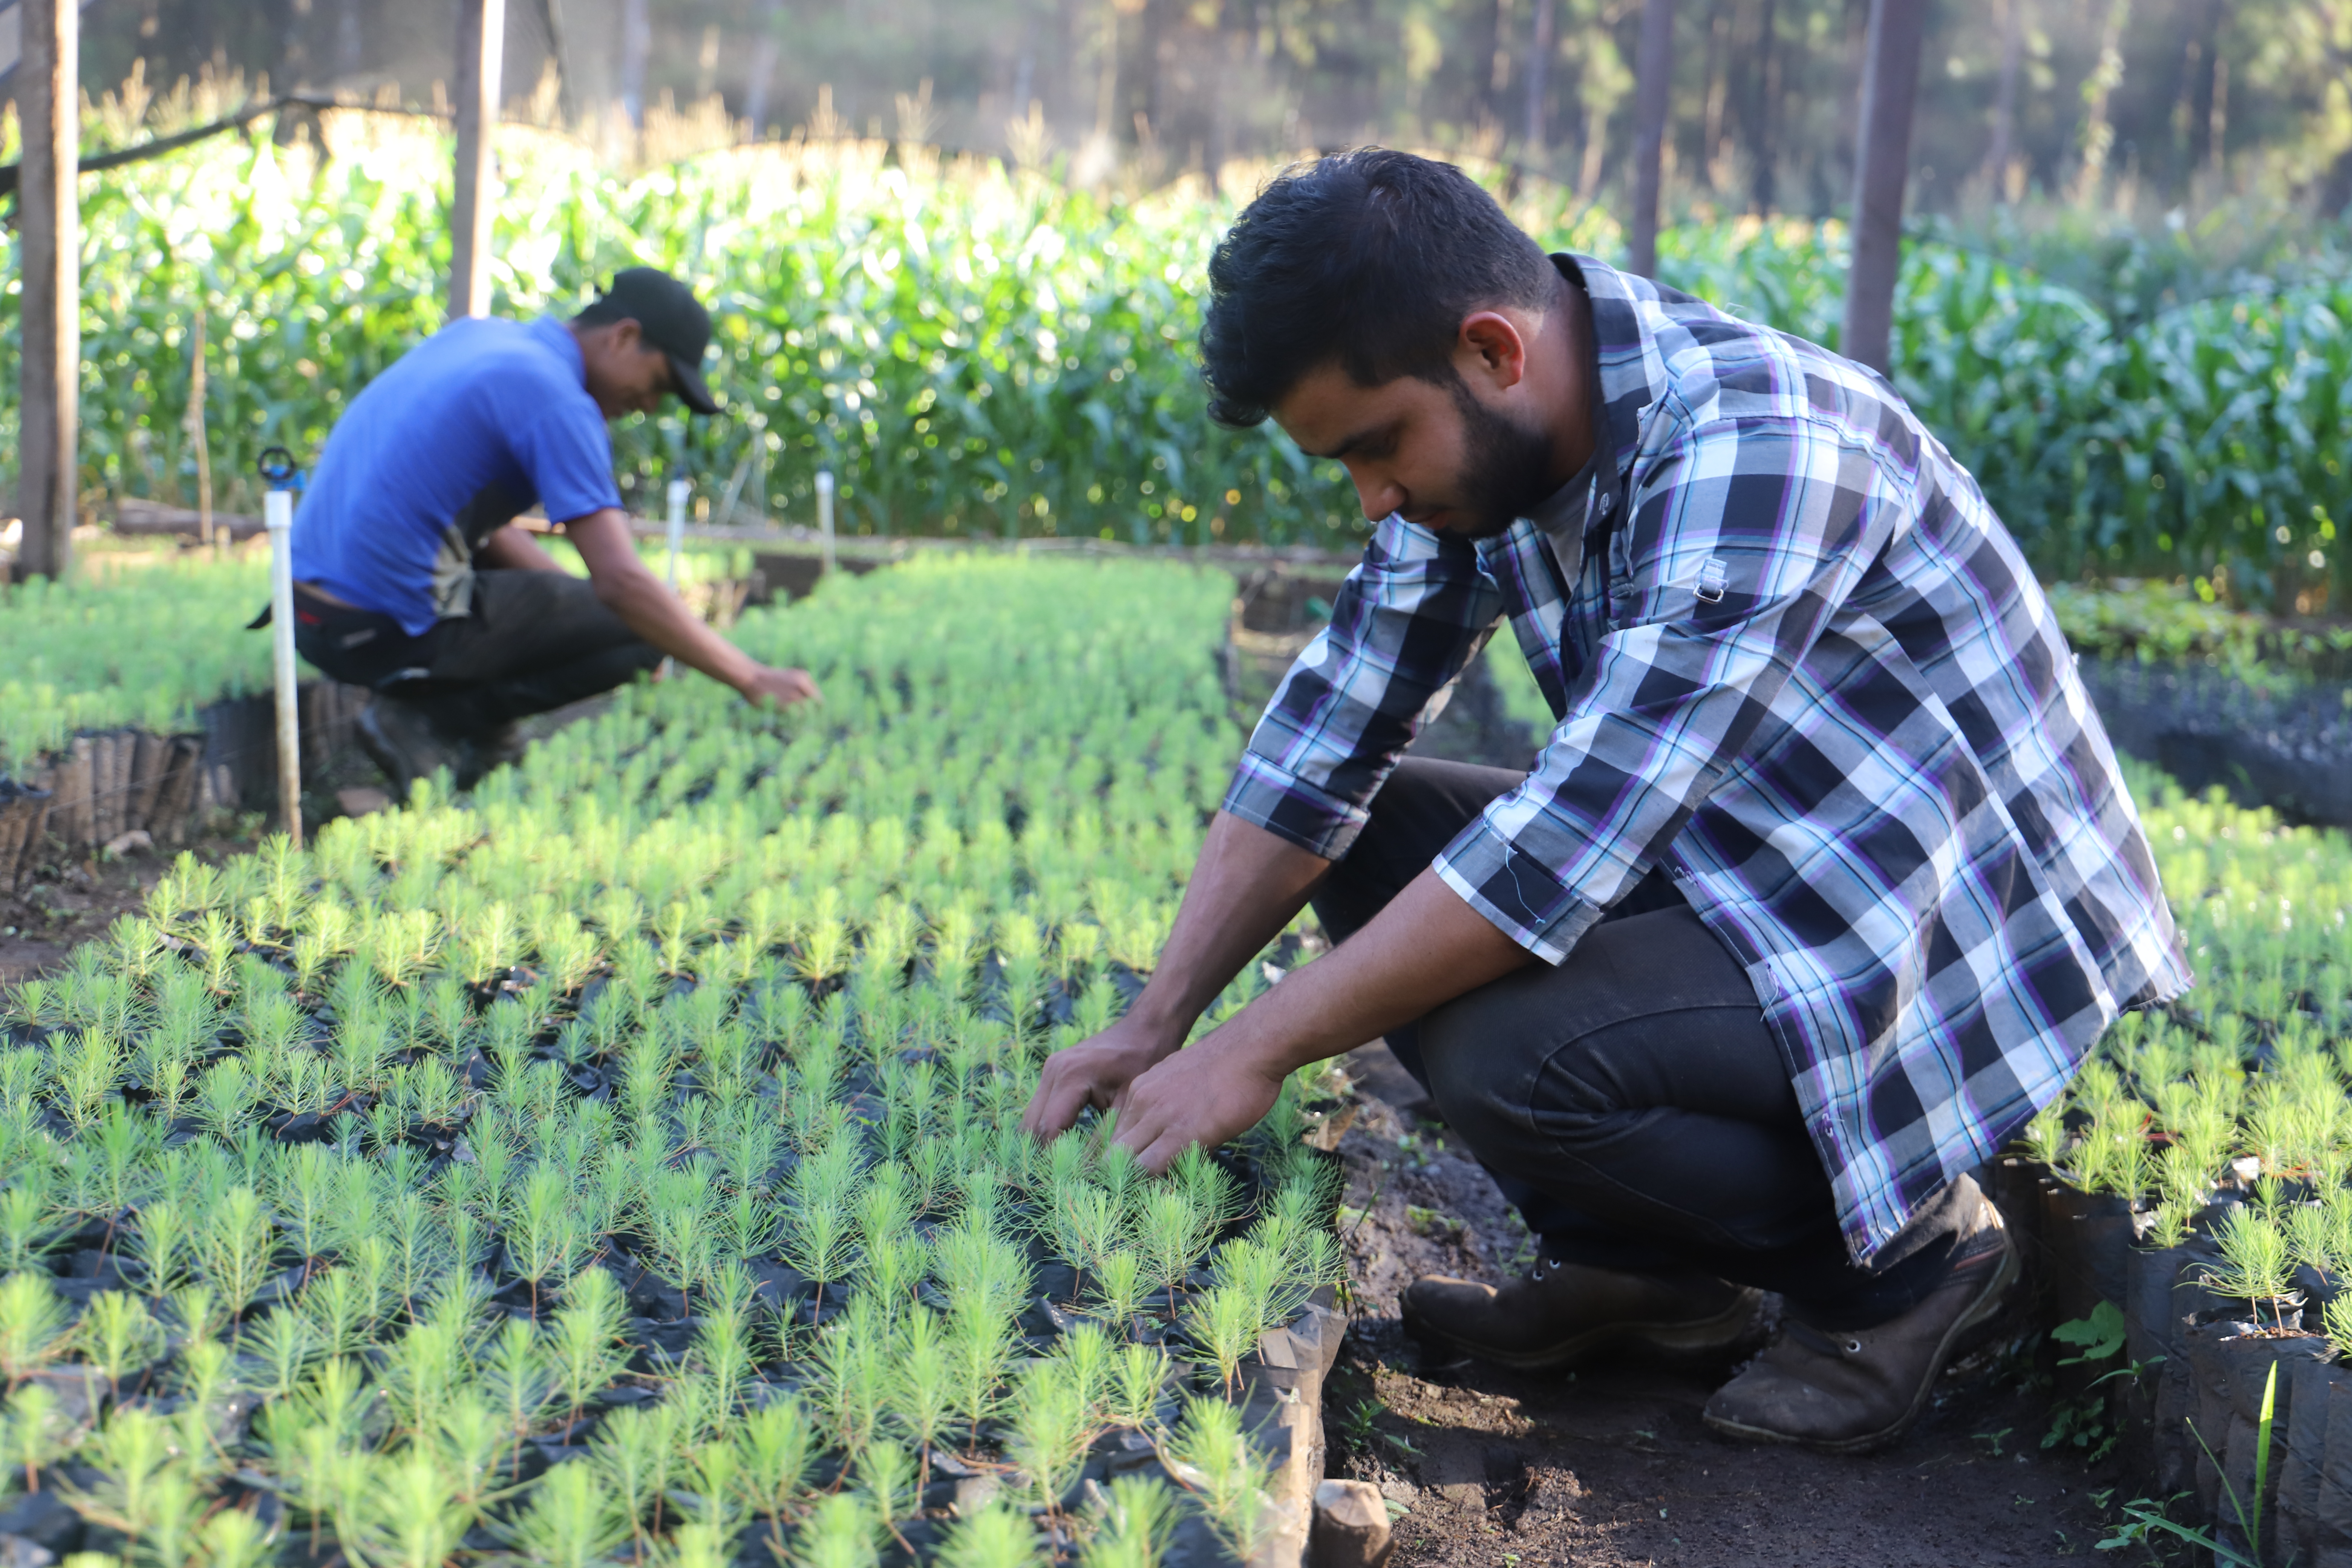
<point>1630,1101</point>
<point>535,641</point>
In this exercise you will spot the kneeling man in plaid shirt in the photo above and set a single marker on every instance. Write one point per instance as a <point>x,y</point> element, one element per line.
<point>1825,881</point>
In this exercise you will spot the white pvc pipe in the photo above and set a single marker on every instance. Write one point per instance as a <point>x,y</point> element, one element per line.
<point>278,514</point>
<point>825,515</point>
<point>680,489</point>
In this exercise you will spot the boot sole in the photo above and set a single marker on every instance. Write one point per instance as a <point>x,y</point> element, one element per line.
<point>1980,1311</point>
<point>1692,1338</point>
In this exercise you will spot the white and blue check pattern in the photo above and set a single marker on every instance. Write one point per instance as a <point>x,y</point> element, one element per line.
<point>1798,662</point>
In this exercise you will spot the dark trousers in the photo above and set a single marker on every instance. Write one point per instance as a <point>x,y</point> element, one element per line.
<point>1630,1101</point>
<point>535,641</point>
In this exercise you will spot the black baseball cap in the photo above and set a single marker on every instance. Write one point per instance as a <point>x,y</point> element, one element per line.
<point>672,320</point>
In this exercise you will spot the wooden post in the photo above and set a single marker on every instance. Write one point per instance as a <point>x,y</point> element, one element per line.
<point>482,37</point>
<point>49,259</point>
<point>1890,83</point>
<point>1654,77</point>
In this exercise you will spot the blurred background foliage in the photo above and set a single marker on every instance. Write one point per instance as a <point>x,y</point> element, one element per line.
<point>958,246</point>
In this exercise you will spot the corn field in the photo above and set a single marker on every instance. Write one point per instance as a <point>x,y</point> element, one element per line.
<point>981,351</point>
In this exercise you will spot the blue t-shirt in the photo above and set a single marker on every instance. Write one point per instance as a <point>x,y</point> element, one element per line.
<point>466,431</point>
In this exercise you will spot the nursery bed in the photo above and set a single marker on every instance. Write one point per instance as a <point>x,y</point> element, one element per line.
<point>372,1196</point>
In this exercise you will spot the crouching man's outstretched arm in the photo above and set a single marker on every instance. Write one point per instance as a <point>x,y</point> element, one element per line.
<point>1425,948</point>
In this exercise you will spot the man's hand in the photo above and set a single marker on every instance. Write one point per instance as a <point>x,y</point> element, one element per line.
<point>1096,1071</point>
<point>1209,1093</point>
<point>782,687</point>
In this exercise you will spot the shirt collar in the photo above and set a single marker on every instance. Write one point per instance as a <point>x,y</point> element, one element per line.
<point>1633,374</point>
<point>556,333</point>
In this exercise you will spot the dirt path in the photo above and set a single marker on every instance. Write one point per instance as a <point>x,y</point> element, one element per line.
<point>1611,1467</point>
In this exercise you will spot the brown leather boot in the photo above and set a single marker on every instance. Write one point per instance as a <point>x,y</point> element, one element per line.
<point>1562,1312</point>
<point>1850,1391</point>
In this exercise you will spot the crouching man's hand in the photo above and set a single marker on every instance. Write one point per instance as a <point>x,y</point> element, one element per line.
<point>1096,1071</point>
<point>1209,1093</point>
<point>780,687</point>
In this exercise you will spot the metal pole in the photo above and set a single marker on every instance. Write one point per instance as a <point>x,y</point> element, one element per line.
<point>278,514</point>
<point>1890,82</point>
<point>825,515</point>
<point>1653,73</point>
<point>481,40</point>
<point>49,265</point>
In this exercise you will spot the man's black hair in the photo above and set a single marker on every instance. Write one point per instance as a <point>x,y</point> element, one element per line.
<point>1368,259</point>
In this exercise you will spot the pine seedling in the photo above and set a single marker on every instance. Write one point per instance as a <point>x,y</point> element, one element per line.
<point>234,1538</point>
<point>2336,1318</point>
<point>1087,1226</point>
<point>517,1377</point>
<point>774,1447</point>
<point>994,1537</point>
<point>575,1518</point>
<point>979,1348</point>
<point>586,1346</point>
<point>839,1532</point>
<point>855,1374</point>
<point>1118,1287</point>
<point>1171,1230</point>
<point>284,1344</point>
<point>2254,1266</point>
<point>632,1453</point>
<point>819,1243</point>
<point>117,1335</point>
<point>465,1443</point>
<point>886,1474</point>
<point>1138,1374</point>
<point>130,1454</point>
<point>1226,1323</point>
<point>1132,1524</point>
<point>33,1325</point>
<point>923,1390</point>
<point>414,1518</point>
<point>28,1215</point>
<point>715,1498</point>
<point>1225,1471</point>
<point>33,1434</point>
<point>234,1246</point>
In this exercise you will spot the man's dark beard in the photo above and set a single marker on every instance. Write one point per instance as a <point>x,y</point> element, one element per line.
<point>1506,472</point>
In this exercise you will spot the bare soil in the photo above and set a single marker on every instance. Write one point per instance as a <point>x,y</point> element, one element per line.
<point>1611,1467</point>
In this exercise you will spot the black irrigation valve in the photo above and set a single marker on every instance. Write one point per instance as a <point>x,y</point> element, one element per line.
<point>277,465</point>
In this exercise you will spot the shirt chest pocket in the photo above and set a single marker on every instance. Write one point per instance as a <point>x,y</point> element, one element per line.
<point>1693,594</point>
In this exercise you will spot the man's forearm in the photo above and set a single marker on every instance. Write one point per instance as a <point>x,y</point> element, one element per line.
<point>660,617</point>
<point>1248,884</point>
<point>513,547</point>
<point>1426,947</point>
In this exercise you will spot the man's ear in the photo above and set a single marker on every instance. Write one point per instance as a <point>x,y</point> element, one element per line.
<point>1490,349</point>
<point>626,333</point>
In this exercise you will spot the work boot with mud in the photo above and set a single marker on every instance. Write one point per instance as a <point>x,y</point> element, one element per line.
<point>1848,1391</point>
<point>1562,1312</point>
<point>405,742</point>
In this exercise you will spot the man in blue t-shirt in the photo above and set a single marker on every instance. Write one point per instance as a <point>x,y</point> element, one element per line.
<point>411,576</point>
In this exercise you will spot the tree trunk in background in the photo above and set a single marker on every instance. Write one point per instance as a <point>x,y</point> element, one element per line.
<point>1890,85</point>
<point>636,47</point>
<point>2004,98</point>
<point>481,39</point>
<point>1106,69</point>
<point>1539,53</point>
<point>2107,75</point>
<point>49,215</point>
<point>764,66</point>
<point>2202,81</point>
<point>351,38</point>
<point>1653,71</point>
<point>1762,191</point>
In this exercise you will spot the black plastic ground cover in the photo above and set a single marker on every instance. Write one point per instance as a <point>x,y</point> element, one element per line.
<point>2287,748</point>
<point>2189,1422</point>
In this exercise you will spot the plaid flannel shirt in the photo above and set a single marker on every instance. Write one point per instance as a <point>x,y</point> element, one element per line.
<point>1797,661</point>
